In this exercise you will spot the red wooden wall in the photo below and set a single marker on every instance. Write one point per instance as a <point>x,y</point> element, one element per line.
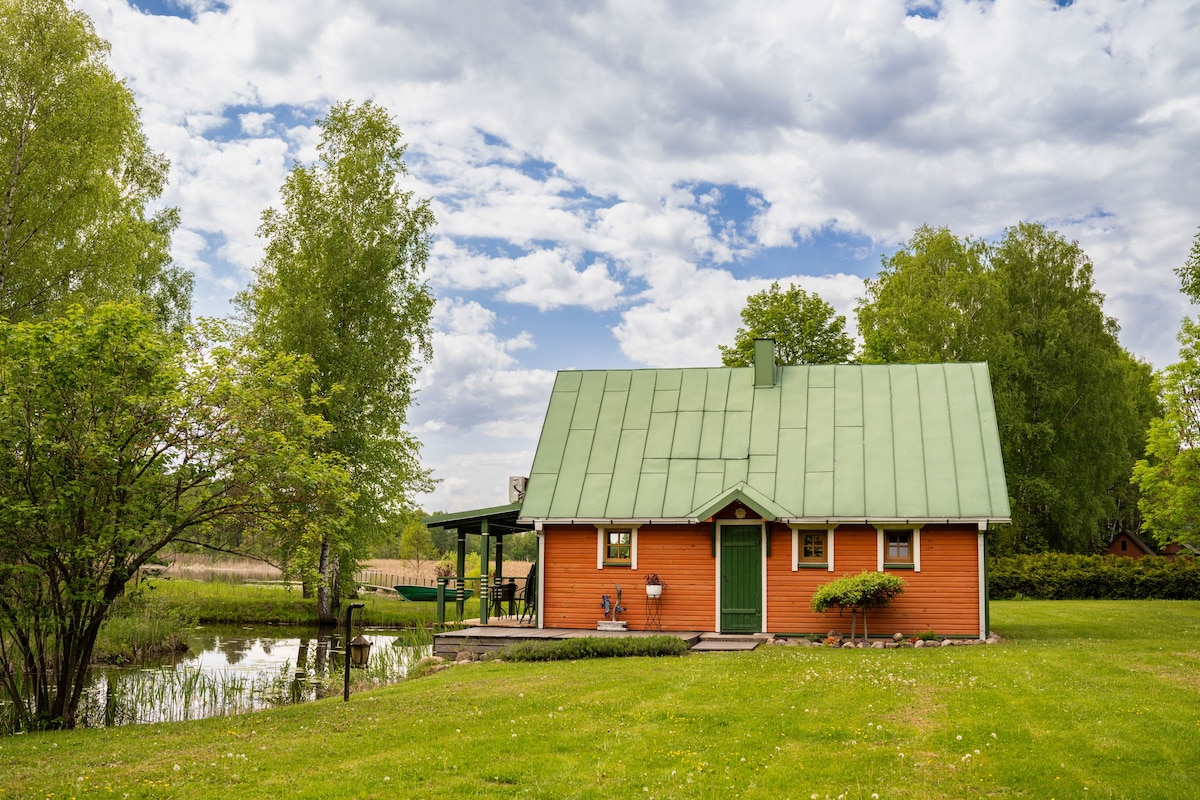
<point>943,596</point>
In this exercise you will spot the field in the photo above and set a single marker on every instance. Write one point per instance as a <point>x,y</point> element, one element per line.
<point>1083,700</point>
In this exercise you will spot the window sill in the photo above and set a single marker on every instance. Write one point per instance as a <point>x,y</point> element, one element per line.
<point>899,566</point>
<point>626,564</point>
<point>812,565</point>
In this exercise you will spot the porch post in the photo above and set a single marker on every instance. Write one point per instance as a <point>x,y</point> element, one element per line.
<point>462,567</point>
<point>499,559</point>
<point>485,585</point>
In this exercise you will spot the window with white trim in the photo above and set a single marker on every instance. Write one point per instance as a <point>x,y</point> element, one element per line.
<point>812,548</point>
<point>900,548</point>
<point>616,546</point>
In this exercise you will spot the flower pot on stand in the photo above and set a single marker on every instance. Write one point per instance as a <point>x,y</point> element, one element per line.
<point>654,590</point>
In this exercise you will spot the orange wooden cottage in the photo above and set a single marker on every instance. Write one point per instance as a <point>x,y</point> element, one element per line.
<point>743,489</point>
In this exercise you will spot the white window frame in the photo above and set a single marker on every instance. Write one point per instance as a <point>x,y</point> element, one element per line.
<point>881,549</point>
<point>602,535</point>
<point>799,529</point>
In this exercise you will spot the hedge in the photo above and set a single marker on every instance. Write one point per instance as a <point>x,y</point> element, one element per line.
<point>593,647</point>
<point>1061,576</point>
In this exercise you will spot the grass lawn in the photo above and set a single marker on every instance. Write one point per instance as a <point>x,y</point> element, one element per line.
<point>1085,700</point>
<point>213,603</point>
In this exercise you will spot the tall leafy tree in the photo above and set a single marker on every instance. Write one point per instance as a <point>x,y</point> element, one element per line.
<point>342,281</point>
<point>116,440</point>
<point>805,329</point>
<point>1168,477</point>
<point>76,175</point>
<point>925,303</point>
<point>1169,474</point>
<point>1070,424</point>
<point>1071,403</point>
<point>416,543</point>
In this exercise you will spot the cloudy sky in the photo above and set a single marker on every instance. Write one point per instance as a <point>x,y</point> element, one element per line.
<point>612,179</point>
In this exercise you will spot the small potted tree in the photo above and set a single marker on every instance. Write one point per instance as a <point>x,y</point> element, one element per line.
<point>653,586</point>
<point>857,593</point>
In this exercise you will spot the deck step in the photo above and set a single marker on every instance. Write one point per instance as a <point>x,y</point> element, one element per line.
<point>725,644</point>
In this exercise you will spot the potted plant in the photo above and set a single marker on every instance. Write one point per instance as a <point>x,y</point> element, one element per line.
<point>653,585</point>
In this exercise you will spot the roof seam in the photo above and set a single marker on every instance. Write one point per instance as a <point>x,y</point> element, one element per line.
<point>953,441</point>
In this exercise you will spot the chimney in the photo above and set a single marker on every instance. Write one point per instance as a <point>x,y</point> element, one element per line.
<point>764,363</point>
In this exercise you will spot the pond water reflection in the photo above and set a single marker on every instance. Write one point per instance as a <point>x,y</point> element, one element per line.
<point>233,670</point>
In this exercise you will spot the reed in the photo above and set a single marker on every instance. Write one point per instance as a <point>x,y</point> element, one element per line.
<point>141,625</point>
<point>170,694</point>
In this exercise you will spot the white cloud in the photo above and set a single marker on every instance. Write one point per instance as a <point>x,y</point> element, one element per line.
<point>254,123</point>
<point>544,279</point>
<point>476,407</point>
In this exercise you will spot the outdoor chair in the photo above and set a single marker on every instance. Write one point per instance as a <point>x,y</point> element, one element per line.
<point>503,598</point>
<point>527,597</point>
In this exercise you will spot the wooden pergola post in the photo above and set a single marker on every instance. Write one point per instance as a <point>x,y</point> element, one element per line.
<point>462,568</point>
<point>485,586</point>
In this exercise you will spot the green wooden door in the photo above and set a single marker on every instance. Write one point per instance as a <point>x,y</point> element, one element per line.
<point>741,579</point>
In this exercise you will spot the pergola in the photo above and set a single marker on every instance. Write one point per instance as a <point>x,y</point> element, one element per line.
<point>496,522</point>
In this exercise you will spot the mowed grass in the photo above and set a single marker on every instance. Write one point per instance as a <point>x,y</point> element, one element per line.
<point>1085,700</point>
<point>213,603</point>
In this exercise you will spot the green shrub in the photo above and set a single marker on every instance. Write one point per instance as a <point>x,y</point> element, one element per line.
<point>593,647</point>
<point>1062,576</point>
<point>862,591</point>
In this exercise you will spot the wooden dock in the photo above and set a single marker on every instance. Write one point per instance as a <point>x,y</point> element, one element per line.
<point>481,639</point>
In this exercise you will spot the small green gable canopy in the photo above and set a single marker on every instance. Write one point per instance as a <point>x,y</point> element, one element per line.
<point>822,443</point>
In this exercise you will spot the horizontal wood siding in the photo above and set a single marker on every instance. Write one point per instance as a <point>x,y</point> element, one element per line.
<point>943,596</point>
<point>680,555</point>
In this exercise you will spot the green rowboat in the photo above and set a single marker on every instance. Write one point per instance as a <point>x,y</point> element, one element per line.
<point>428,593</point>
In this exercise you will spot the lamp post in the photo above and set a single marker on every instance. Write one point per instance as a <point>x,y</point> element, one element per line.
<point>346,657</point>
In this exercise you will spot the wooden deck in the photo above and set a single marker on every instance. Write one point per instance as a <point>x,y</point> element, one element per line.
<point>481,639</point>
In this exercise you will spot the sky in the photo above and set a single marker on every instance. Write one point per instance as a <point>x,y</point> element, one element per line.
<point>611,180</point>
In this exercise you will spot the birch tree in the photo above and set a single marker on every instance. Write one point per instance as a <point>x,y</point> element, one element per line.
<point>76,175</point>
<point>342,282</point>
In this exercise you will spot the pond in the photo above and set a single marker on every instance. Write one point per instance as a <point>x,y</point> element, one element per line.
<point>234,670</point>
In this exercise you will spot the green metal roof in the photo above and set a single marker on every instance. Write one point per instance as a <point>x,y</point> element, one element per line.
<point>500,520</point>
<point>866,442</point>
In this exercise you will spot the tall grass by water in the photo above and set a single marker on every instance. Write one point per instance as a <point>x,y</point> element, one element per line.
<point>175,693</point>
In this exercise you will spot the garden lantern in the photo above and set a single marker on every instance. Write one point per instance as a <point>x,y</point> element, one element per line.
<point>360,651</point>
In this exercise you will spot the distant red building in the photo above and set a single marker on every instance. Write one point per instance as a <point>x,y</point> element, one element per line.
<point>1129,545</point>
